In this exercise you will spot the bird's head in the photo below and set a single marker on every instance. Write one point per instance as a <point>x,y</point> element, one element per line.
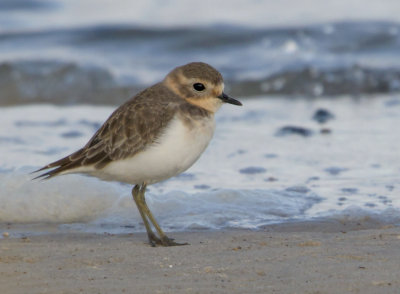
<point>199,84</point>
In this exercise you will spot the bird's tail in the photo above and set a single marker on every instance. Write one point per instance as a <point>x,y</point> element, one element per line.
<point>57,167</point>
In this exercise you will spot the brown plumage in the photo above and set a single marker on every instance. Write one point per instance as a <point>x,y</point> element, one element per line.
<point>131,128</point>
<point>157,134</point>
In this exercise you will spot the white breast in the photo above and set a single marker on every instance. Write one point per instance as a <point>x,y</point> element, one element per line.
<point>177,149</point>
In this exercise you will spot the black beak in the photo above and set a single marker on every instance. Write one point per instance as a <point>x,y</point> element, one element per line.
<point>225,98</point>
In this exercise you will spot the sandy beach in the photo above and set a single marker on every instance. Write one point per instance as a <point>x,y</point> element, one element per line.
<point>309,257</point>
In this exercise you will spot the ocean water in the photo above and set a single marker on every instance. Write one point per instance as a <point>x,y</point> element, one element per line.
<point>251,175</point>
<point>64,69</point>
<point>62,52</point>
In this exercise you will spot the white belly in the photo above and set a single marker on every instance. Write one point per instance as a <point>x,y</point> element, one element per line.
<point>178,148</point>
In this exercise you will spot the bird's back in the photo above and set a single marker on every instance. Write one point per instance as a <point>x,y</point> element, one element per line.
<point>130,129</point>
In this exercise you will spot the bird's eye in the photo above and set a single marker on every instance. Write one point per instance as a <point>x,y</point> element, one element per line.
<point>199,87</point>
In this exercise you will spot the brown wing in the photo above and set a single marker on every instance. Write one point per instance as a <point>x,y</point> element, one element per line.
<point>130,129</point>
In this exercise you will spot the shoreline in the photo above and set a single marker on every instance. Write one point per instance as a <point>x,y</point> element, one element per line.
<point>318,224</point>
<point>308,257</point>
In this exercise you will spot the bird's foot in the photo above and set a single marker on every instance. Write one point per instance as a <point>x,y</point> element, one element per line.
<point>153,239</point>
<point>164,241</point>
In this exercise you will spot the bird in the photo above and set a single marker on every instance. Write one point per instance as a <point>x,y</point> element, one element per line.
<point>157,134</point>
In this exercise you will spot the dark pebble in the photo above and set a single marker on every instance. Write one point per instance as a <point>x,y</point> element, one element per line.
<point>325,131</point>
<point>335,170</point>
<point>322,116</point>
<point>293,130</point>
<point>384,200</point>
<point>270,179</point>
<point>390,187</point>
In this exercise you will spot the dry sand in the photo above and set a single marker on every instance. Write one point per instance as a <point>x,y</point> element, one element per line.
<point>317,257</point>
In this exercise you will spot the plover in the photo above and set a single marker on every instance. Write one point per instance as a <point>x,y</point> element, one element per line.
<point>157,134</point>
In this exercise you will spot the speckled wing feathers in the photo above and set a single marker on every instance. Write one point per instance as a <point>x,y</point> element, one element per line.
<point>130,129</point>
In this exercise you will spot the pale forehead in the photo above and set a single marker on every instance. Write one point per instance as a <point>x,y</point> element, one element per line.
<point>203,71</point>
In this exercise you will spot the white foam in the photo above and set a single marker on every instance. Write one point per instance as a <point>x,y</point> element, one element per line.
<point>241,180</point>
<point>61,200</point>
<point>78,199</point>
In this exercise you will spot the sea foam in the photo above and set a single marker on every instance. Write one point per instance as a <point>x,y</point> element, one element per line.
<point>248,176</point>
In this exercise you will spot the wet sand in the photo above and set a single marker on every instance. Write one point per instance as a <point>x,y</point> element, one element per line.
<point>310,257</point>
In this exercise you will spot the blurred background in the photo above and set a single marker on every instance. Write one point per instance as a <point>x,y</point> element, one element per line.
<point>102,51</point>
<point>317,135</point>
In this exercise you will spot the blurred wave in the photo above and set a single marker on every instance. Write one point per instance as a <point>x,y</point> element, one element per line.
<point>107,64</point>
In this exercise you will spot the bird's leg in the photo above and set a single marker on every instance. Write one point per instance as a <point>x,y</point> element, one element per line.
<point>164,240</point>
<point>136,192</point>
